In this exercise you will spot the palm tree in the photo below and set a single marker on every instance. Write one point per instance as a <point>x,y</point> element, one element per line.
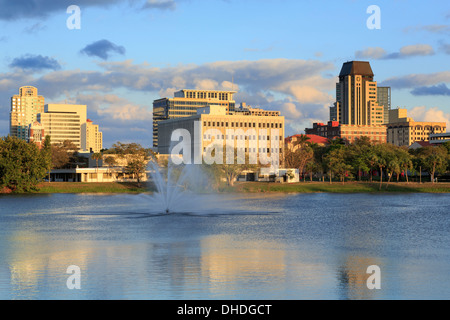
<point>97,157</point>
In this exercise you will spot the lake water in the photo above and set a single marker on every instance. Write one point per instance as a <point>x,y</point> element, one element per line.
<point>303,246</point>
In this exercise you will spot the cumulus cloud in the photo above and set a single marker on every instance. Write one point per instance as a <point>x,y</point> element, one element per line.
<point>445,47</point>
<point>298,87</point>
<point>432,28</point>
<point>160,4</point>
<point>35,63</point>
<point>29,9</point>
<point>404,52</point>
<point>417,80</point>
<point>25,9</point>
<point>371,53</point>
<point>438,90</point>
<point>423,113</point>
<point>102,49</point>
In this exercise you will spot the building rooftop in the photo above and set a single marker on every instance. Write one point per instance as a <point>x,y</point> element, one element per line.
<point>356,68</point>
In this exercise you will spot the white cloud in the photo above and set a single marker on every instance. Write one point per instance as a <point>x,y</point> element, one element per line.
<point>371,53</point>
<point>417,50</point>
<point>422,113</point>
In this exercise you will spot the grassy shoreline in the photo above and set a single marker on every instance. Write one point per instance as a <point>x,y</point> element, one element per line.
<point>348,187</point>
<point>255,187</point>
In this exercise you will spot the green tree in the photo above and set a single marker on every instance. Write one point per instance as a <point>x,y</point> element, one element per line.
<point>335,162</point>
<point>22,165</point>
<point>47,153</point>
<point>137,158</point>
<point>433,159</point>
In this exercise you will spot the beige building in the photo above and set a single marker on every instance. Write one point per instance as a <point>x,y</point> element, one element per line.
<point>376,134</point>
<point>348,132</point>
<point>356,110</point>
<point>404,131</point>
<point>24,110</point>
<point>91,137</point>
<point>63,122</point>
<point>213,123</point>
<point>185,104</point>
<point>356,96</point>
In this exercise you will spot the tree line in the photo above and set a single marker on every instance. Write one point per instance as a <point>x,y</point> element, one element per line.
<point>23,165</point>
<point>361,160</point>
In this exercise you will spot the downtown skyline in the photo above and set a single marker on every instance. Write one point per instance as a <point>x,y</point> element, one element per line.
<point>278,56</point>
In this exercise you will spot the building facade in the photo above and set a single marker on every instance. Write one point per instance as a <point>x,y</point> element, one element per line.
<point>384,99</point>
<point>91,137</point>
<point>24,110</point>
<point>404,131</point>
<point>37,134</point>
<point>214,125</point>
<point>348,132</point>
<point>185,104</point>
<point>438,138</point>
<point>63,122</point>
<point>356,96</point>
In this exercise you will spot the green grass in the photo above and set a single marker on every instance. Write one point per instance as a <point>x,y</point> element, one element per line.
<point>348,187</point>
<point>255,187</point>
<point>80,187</point>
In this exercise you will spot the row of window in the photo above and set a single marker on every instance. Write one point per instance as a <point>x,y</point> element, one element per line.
<point>242,137</point>
<point>242,124</point>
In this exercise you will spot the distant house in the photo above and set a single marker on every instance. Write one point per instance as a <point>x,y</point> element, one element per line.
<point>419,144</point>
<point>290,142</point>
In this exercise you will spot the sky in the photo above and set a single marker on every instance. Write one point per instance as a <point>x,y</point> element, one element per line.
<point>279,55</point>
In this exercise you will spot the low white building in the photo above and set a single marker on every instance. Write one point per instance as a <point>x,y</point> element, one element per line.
<point>116,174</point>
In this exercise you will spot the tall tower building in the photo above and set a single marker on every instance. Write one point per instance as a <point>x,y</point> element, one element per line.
<point>384,99</point>
<point>185,104</point>
<point>356,96</point>
<point>24,110</point>
<point>91,137</point>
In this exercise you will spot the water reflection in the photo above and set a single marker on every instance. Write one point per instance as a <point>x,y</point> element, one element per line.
<point>292,249</point>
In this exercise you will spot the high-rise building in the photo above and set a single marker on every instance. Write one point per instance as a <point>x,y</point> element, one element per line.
<point>63,122</point>
<point>185,103</point>
<point>91,137</point>
<point>356,111</point>
<point>356,96</point>
<point>24,110</point>
<point>384,99</point>
<point>404,131</point>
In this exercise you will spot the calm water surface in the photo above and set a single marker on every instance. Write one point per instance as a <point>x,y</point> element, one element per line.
<point>315,246</point>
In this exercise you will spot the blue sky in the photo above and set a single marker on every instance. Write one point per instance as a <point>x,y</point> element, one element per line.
<point>283,55</point>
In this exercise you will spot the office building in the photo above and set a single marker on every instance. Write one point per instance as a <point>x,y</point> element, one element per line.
<point>214,123</point>
<point>404,131</point>
<point>439,138</point>
<point>356,96</point>
<point>186,102</point>
<point>348,132</point>
<point>91,137</point>
<point>384,99</point>
<point>63,122</point>
<point>24,110</point>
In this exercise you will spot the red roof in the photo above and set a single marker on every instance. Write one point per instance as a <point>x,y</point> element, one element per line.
<point>423,143</point>
<point>313,138</point>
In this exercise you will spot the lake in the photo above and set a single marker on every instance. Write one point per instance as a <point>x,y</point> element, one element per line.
<point>249,246</point>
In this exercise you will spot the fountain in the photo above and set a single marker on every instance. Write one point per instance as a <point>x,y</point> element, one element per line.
<point>178,186</point>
